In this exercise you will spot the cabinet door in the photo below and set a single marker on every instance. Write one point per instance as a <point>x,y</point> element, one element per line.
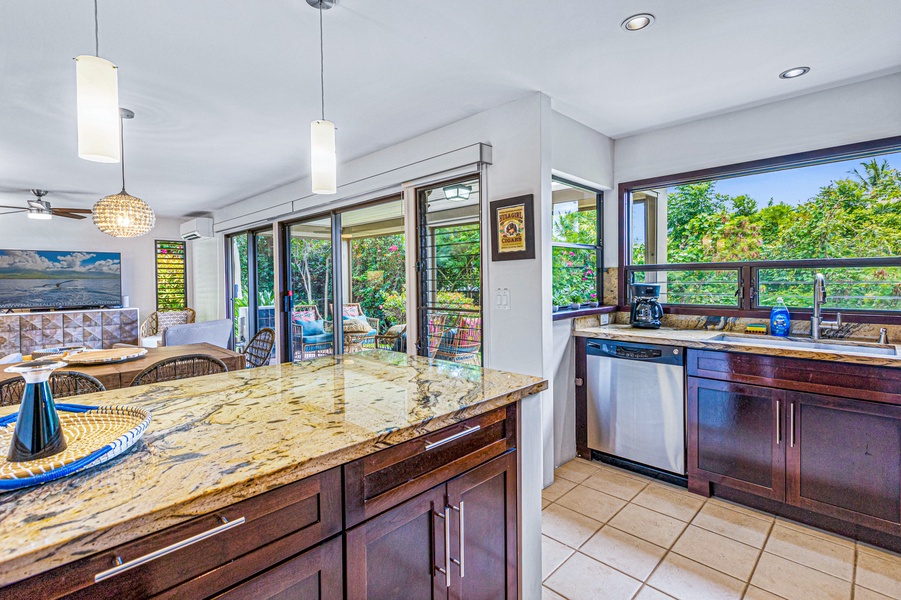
<point>735,436</point>
<point>316,574</point>
<point>483,531</point>
<point>396,555</point>
<point>844,459</point>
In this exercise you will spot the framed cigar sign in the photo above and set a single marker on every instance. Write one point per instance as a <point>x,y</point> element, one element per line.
<point>513,228</point>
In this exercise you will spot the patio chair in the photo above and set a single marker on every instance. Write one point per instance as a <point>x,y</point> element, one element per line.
<point>393,339</point>
<point>436,331</point>
<point>259,350</point>
<point>353,310</point>
<point>158,321</point>
<point>311,334</point>
<point>463,342</point>
<point>180,367</point>
<point>62,385</point>
<point>357,338</point>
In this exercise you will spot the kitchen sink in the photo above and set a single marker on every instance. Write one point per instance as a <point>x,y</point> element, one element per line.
<point>807,344</point>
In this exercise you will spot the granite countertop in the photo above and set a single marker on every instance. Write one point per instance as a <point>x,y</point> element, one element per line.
<point>219,439</point>
<point>755,344</point>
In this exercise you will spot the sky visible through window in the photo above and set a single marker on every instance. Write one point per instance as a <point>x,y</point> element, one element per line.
<point>794,186</point>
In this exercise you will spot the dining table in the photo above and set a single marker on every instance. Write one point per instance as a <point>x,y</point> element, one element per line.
<point>120,374</point>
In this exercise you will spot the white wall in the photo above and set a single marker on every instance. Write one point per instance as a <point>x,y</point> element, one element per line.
<point>18,232</point>
<point>580,153</point>
<point>853,113</point>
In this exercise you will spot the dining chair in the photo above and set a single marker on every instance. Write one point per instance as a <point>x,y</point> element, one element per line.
<point>259,350</point>
<point>63,384</point>
<point>180,367</point>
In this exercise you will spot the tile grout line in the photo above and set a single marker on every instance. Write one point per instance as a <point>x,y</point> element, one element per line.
<point>769,532</point>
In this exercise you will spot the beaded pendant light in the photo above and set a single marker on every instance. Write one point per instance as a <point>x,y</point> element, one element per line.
<point>123,215</point>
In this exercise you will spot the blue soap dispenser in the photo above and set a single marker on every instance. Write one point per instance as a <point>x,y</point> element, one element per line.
<point>780,320</point>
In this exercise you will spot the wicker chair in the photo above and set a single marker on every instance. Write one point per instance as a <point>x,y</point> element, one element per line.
<point>462,343</point>
<point>63,384</point>
<point>259,350</point>
<point>392,339</point>
<point>311,345</point>
<point>157,321</point>
<point>353,309</point>
<point>180,367</point>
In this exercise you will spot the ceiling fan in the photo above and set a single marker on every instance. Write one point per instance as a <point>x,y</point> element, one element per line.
<point>38,208</point>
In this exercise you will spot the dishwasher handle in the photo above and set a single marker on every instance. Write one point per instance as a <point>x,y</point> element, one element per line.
<point>640,352</point>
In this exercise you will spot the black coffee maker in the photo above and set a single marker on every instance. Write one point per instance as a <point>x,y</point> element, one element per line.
<point>646,310</point>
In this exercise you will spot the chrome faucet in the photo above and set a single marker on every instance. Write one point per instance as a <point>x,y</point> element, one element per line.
<point>816,321</point>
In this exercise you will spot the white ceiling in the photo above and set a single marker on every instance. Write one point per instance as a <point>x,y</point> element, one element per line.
<point>224,90</point>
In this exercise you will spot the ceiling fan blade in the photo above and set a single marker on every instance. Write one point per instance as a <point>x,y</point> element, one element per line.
<point>55,213</point>
<point>13,207</point>
<point>82,211</point>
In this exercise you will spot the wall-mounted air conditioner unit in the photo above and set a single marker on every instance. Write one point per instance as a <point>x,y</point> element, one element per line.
<point>197,229</point>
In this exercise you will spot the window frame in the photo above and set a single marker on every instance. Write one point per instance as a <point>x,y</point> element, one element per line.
<point>184,281</point>
<point>597,247</point>
<point>748,270</point>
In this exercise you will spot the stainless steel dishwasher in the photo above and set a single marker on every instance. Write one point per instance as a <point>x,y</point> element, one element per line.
<point>636,403</point>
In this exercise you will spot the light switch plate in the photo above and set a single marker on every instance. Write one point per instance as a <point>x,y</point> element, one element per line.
<point>605,319</point>
<point>503,299</point>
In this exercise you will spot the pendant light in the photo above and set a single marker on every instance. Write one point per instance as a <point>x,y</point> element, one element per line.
<point>97,98</point>
<point>123,215</point>
<point>323,161</point>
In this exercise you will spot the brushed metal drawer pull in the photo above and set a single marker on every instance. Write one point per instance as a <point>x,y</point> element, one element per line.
<point>462,562</point>
<point>792,425</point>
<point>122,567</point>
<point>447,559</point>
<point>778,423</point>
<point>466,431</point>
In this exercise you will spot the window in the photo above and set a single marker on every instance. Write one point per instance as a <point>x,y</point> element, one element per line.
<point>171,282</point>
<point>576,244</point>
<point>250,276</point>
<point>740,237</point>
<point>449,264</point>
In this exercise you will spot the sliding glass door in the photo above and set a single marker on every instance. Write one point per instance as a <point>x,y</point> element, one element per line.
<point>449,266</point>
<point>310,285</point>
<point>251,289</point>
<point>346,281</point>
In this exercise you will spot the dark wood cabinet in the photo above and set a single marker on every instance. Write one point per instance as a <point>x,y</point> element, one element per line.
<point>434,517</point>
<point>457,541</point>
<point>397,554</point>
<point>317,574</point>
<point>824,443</point>
<point>844,459</point>
<point>735,433</point>
<point>483,538</point>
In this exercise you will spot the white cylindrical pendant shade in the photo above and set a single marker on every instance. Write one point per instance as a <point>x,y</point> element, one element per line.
<point>97,89</point>
<point>324,171</point>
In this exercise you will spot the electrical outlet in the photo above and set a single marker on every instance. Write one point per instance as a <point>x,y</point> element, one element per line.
<point>605,319</point>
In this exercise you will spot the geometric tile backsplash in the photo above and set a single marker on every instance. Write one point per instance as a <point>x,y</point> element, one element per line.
<point>94,328</point>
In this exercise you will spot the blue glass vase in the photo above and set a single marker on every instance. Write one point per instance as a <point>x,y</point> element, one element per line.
<point>38,432</point>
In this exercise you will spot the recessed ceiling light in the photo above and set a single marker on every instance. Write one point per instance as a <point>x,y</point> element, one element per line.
<point>794,72</point>
<point>638,22</point>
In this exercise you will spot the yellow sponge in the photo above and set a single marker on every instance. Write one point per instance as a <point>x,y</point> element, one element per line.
<point>756,328</point>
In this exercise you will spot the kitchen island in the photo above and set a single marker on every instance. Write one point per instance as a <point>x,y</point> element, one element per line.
<point>363,425</point>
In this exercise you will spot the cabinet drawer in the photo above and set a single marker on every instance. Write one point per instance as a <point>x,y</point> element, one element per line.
<point>315,574</point>
<point>382,480</point>
<point>191,555</point>
<point>863,382</point>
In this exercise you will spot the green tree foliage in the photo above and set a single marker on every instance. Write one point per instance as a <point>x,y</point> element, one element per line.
<point>858,216</point>
<point>377,270</point>
<point>574,269</point>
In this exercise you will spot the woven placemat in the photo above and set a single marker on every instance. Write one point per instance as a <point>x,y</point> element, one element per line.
<point>94,434</point>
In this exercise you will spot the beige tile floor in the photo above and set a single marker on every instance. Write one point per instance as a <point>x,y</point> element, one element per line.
<point>615,535</point>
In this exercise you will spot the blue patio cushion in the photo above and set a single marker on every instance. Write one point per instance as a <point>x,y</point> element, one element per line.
<point>317,339</point>
<point>313,327</point>
<point>446,346</point>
